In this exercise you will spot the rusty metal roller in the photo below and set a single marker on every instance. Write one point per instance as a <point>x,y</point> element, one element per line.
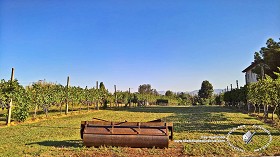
<point>126,134</point>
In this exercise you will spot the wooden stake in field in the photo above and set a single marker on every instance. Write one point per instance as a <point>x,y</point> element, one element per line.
<point>116,101</point>
<point>87,99</point>
<point>8,120</point>
<point>97,101</point>
<point>67,95</point>
<point>129,97</point>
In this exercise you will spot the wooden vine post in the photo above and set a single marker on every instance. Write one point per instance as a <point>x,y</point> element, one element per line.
<point>97,100</point>
<point>8,121</point>
<point>231,94</point>
<point>67,96</point>
<point>129,97</point>
<point>116,101</point>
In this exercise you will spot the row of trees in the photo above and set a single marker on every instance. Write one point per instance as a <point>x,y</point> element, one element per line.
<point>41,96</point>
<point>172,98</point>
<point>263,95</point>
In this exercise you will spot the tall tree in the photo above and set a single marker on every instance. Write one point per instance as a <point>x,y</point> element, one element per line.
<point>206,90</point>
<point>102,86</point>
<point>145,89</point>
<point>103,93</point>
<point>269,57</point>
<point>169,93</point>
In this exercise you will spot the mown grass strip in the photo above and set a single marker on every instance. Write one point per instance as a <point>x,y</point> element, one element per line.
<point>60,136</point>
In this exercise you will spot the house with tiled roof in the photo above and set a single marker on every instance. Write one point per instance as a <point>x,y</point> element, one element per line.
<point>250,76</point>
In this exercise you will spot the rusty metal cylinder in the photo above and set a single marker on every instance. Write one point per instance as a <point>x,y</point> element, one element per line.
<point>126,134</point>
<point>138,141</point>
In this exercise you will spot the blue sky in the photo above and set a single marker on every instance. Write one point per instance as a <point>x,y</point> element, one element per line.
<point>170,44</point>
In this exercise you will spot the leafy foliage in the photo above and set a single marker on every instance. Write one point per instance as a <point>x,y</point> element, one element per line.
<point>145,89</point>
<point>265,93</point>
<point>12,91</point>
<point>205,93</point>
<point>206,90</point>
<point>270,55</point>
<point>42,96</point>
<point>169,93</point>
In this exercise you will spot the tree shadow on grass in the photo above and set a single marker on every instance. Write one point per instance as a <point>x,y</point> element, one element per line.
<point>3,117</point>
<point>48,126</point>
<point>151,109</point>
<point>202,122</point>
<point>195,118</point>
<point>178,109</point>
<point>59,144</point>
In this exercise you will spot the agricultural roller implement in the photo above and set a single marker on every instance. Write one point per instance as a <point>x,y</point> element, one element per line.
<point>150,134</point>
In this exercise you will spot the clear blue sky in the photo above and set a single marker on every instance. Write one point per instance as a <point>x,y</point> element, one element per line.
<point>170,44</point>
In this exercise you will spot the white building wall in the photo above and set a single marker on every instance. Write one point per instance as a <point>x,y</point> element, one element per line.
<point>250,77</point>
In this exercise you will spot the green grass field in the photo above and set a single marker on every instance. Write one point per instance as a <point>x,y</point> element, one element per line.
<point>59,136</point>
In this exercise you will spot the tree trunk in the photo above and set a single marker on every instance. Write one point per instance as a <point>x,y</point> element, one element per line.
<point>46,110</point>
<point>248,107</point>
<point>97,105</point>
<point>35,111</point>
<point>274,111</point>
<point>72,105</point>
<point>265,112</point>
<point>80,106</point>
<point>255,108</point>
<point>60,108</point>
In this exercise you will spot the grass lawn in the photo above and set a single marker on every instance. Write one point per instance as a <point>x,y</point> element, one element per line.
<point>60,136</point>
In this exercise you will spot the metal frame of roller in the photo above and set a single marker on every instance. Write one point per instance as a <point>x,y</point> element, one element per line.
<point>126,134</point>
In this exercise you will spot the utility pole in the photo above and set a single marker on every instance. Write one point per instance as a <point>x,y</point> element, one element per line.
<point>8,120</point>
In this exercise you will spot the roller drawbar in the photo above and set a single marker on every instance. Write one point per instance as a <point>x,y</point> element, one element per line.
<point>99,132</point>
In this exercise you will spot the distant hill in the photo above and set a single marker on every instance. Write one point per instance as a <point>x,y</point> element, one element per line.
<point>161,92</point>
<point>195,92</point>
<point>216,91</point>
